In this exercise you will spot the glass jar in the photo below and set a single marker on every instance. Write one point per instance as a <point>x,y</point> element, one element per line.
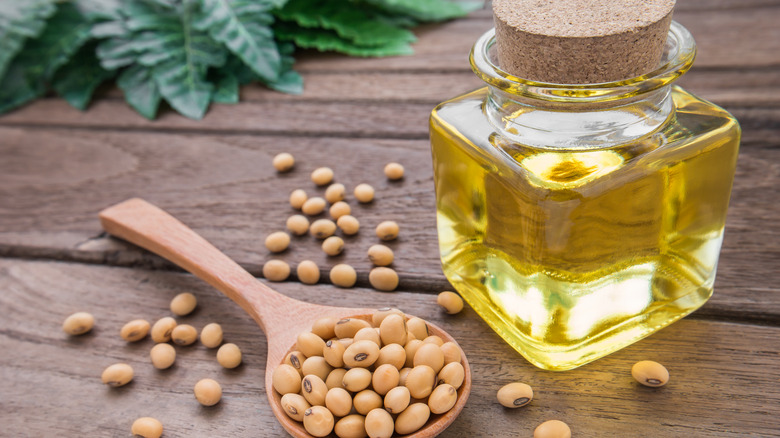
<point>578,219</point>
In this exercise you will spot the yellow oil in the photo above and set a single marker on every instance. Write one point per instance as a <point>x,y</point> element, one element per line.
<point>570,255</point>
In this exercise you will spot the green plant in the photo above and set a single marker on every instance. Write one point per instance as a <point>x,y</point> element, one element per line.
<point>190,53</point>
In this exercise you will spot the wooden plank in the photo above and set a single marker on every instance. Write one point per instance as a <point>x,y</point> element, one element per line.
<point>53,183</point>
<point>723,375</point>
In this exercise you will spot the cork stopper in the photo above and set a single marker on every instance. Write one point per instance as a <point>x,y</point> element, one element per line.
<point>581,41</point>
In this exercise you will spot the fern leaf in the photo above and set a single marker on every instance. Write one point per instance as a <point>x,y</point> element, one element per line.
<point>140,90</point>
<point>243,27</point>
<point>20,20</point>
<point>66,31</point>
<point>77,80</point>
<point>349,22</point>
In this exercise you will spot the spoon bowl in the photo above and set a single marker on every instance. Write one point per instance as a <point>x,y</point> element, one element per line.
<point>281,318</point>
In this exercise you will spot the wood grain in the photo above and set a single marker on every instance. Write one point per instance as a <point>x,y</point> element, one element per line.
<point>723,376</point>
<point>225,188</point>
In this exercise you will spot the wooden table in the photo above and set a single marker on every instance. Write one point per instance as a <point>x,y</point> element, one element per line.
<point>59,167</point>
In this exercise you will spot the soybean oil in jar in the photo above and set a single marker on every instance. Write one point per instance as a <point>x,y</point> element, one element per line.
<point>575,231</point>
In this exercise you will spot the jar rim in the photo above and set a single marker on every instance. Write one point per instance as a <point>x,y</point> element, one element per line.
<point>678,56</point>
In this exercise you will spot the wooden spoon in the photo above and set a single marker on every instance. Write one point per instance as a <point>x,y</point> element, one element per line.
<point>281,318</point>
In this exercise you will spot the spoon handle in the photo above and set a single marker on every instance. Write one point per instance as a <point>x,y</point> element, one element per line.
<point>149,227</point>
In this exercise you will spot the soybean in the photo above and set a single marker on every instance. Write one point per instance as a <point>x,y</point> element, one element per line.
<point>78,323</point>
<point>452,374</point>
<point>276,270</point>
<point>384,279</point>
<point>366,400</point>
<point>380,255</point>
<point>418,327</point>
<point>322,176</point>
<point>135,330</point>
<point>308,272</point>
<point>383,313</point>
<point>379,424</point>
<point>356,379</point>
<point>392,354</point>
<point>211,335</point>
<point>118,374</point>
<point>343,275</point>
<point>364,193</point>
<point>184,334</point>
<point>403,374</point>
<point>361,354</point>
<point>368,334</point>
<point>163,356</point>
<point>385,378</point>
<point>335,193</point>
<point>348,224</point>
<point>411,348</point>
<point>552,429</point>
<point>433,339</point>
<point>314,390</point>
<point>420,381</point>
<point>397,399</point>
<point>650,373</point>
<point>283,162</point>
<point>450,302</point>
<point>318,421</point>
<point>229,356</point>
<point>322,228</point>
<point>392,330</point>
<point>208,392</point>
<point>412,418</point>
<point>286,379</point>
<point>183,304</point>
<point>298,224</point>
<point>351,426</point>
<point>387,230</point>
<point>431,355</point>
<point>334,353</point>
<point>451,352</point>
<point>333,245</point>
<point>442,399</point>
<point>147,427</point>
<point>310,344</point>
<point>161,330</point>
<point>317,366</point>
<point>277,242</point>
<point>296,359</point>
<point>339,209</point>
<point>515,395</point>
<point>394,171</point>
<point>313,206</point>
<point>294,406</point>
<point>338,401</point>
<point>297,198</point>
<point>325,327</point>
<point>335,378</point>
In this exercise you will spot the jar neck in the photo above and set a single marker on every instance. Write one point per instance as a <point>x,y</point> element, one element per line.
<point>577,126</point>
<point>581,116</point>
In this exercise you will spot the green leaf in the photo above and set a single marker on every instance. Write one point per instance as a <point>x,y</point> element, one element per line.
<point>226,88</point>
<point>140,90</point>
<point>66,31</point>
<point>243,27</point>
<point>289,82</point>
<point>324,40</point>
<point>348,21</point>
<point>427,10</point>
<point>78,79</point>
<point>20,20</point>
<point>182,78</point>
